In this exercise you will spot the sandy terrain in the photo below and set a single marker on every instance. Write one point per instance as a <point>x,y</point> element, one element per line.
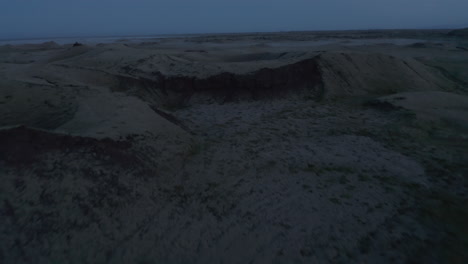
<point>309,147</point>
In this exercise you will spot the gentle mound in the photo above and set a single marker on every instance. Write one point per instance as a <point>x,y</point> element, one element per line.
<point>459,32</point>
<point>373,74</point>
<point>437,106</point>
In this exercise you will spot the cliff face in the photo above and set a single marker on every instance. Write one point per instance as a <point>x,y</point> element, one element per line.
<point>303,77</point>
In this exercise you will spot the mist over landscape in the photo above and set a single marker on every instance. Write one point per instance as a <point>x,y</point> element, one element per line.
<point>233,131</point>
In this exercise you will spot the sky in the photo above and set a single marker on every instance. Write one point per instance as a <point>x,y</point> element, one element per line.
<point>72,18</point>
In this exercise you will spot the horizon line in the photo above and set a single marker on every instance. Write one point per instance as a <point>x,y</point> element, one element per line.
<point>225,33</point>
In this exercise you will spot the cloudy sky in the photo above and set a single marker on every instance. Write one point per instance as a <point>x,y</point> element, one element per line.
<point>60,18</point>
